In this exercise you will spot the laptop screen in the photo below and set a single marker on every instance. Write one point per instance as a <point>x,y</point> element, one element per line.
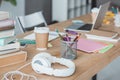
<point>99,19</point>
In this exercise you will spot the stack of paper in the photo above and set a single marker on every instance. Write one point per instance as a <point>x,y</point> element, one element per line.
<point>101,38</point>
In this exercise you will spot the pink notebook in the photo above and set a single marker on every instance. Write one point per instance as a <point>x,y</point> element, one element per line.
<point>89,45</point>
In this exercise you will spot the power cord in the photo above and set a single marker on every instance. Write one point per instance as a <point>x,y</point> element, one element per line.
<point>9,75</point>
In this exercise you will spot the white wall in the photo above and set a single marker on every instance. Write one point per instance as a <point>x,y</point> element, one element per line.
<point>59,10</point>
<point>14,10</point>
<point>66,9</point>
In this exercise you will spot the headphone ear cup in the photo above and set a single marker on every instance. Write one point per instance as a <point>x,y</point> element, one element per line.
<point>39,64</point>
<point>45,62</point>
<point>42,61</point>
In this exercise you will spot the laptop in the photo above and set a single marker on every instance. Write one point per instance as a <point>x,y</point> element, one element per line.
<point>97,23</point>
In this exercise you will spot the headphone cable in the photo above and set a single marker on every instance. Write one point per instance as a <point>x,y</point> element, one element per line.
<point>11,73</point>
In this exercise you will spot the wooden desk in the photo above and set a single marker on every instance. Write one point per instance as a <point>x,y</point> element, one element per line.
<point>87,65</point>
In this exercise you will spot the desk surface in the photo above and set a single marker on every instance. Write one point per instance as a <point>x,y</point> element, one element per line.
<point>87,65</point>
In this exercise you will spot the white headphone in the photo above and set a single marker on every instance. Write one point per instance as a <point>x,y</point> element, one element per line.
<point>41,63</point>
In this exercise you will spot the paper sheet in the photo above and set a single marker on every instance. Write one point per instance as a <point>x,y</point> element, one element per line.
<point>52,35</point>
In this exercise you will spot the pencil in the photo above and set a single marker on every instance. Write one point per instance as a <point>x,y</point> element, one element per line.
<point>59,34</point>
<point>76,38</point>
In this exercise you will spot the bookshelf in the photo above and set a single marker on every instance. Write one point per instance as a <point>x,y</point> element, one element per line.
<point>66,9</point>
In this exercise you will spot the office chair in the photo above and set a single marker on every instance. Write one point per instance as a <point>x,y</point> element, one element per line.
<point>30,21</point>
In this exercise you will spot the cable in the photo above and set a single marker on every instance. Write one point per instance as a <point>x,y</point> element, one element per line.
<point>17,72</point>
<point>23,66</point>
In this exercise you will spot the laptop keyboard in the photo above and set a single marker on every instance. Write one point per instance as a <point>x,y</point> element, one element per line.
<point>86,27</point>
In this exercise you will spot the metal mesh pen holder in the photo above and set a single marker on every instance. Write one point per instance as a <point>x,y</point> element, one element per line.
<point>68,49</point>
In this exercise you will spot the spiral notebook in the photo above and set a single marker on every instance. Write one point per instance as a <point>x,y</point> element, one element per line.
<point>89,46</point>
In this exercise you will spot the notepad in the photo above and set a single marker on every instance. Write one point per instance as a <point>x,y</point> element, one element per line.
<point>89,45</point>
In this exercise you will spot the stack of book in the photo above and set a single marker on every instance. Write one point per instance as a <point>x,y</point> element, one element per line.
<point>7,37</point>
<point>6,25</point>
<point>10,52</point>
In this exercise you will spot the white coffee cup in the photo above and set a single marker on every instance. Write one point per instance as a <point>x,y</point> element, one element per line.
<point>94,13</point>
<point>41,36</point>
<point>117,20</point>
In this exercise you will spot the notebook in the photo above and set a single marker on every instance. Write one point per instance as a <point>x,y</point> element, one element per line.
<point>89,46</point>
<point>88,27</point>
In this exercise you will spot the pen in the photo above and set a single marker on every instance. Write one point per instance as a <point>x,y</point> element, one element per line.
<point>67,37</point>
<point>76,38</point>
<point>59,34</point>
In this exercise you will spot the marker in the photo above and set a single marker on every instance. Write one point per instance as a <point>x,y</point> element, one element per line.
<point>67,37</point>
<point>71,32</point>
<point>59,34</point>
<point>114,10</point>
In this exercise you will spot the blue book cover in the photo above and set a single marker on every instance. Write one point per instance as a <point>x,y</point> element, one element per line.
<point>6,40</point>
